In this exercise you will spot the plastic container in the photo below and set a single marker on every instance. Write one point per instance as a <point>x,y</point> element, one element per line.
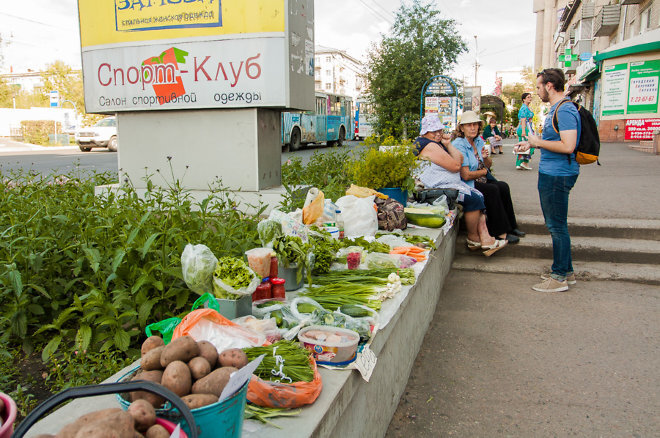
<point>263,291</point>
<point>8,416</point>
<point>290,274</point>
<point>273,266</point>
<point>232,309</point>
<point>220,420</point>
<point>339,223</point>
<point>259,260</point>
<point>334,232</point>
<point>397,194</point>
<point>353,260</point>
<point>330,351</point>
<point>278,290</point>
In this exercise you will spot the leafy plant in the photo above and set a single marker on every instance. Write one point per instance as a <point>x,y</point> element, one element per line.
<point>392,167</point>
<point>77,368</point>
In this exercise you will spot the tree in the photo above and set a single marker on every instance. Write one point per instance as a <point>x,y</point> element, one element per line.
<point>61,77</point>
<point>422,44</point>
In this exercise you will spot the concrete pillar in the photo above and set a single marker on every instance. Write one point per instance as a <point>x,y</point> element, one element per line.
<point>548,28</point>
<point>540,38</point>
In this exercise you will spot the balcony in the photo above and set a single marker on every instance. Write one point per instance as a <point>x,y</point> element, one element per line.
<point>632,2</point>
<point>607,20</point>
<point>582,46</point>
<point>588,9</point>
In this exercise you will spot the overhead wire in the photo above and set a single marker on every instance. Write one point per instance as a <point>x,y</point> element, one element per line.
<point>377,13</point>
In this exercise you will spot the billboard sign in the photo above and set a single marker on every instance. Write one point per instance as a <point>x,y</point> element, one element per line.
<point>615,81</point>
<point>641,129</point>
<point>156,55</point>
<point>643,89</point>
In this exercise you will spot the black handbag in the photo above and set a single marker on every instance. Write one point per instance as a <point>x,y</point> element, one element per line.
<point>430,195</point>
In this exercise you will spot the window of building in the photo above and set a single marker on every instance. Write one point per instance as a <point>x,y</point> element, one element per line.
<point>328,86</point>
<point>645,20</point>
<point>328,73</point>
<point>328,58</point>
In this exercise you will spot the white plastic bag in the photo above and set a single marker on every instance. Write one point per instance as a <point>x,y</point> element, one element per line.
<point>359,216</point>
<point>224,337</point>
<point>197,265</point>
<point>291,226</point>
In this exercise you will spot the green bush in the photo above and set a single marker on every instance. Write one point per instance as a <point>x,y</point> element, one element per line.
<point>392,167</point>
<point>36,131</point>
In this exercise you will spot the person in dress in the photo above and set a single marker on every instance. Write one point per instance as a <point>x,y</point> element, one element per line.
<point>525,117</point>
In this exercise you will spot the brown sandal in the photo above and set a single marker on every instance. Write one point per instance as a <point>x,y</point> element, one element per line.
<point>492,249</point>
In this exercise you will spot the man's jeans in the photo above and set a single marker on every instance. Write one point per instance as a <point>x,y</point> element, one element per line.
<point>553,192</point>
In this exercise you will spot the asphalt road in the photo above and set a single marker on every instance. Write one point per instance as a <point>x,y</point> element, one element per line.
<point>15,156</point>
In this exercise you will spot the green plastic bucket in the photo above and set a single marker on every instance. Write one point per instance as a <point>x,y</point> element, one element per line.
<point>219,420</point>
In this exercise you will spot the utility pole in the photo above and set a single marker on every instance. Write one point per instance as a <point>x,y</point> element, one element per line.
<point>476,60</point>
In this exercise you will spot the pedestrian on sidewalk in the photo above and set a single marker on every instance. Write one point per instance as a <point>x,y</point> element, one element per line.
<point>500,215</point>
<point>493,136</point>
<point>558,171</point>
<point>525,116</point>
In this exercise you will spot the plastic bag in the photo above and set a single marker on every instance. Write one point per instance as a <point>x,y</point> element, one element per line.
<point>363,192</point>
<point>290,225</point>
<point>442,204</point>
<point>359,215</point>
<point>393,240</point>
<point>313,208</point>
<point>209,325</point>
<point>266,327</point>
<point>197,265</point>
<point>329,213</point>
<point>440,208</point>
<point>269,231</point>
<point>165,328</point>
<point>259,260</point>
<point>285,395</point>
<point>222,289</point>
<point>377,260</point>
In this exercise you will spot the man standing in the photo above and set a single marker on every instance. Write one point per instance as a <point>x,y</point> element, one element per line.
<point>558,171</point>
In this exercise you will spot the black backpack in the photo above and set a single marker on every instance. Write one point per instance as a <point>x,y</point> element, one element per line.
<point>587,149</point>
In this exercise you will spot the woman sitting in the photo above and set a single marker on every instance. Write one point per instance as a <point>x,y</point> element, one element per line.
<point>442,171</point>
<point>493,135</point>
<point>474,171</point>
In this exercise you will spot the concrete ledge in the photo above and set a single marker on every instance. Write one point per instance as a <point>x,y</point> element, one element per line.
<point>348,406</point>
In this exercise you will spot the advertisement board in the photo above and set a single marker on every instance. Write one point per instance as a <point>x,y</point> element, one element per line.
<point>641,129</point>
<point>643,90</point>
<point>171,54</point>
<point>615,81</point>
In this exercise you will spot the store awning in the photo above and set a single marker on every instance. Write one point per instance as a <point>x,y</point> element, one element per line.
<point>647,42</point>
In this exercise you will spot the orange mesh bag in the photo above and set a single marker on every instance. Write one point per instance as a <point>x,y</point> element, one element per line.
<point>285,395</point>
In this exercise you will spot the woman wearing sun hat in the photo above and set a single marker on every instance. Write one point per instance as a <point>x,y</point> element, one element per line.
<point>501,218</point>
<point>442,171</point>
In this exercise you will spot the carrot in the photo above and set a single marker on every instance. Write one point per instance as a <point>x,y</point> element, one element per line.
<point>410,251</point>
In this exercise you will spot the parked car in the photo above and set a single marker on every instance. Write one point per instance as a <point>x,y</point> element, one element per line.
<point>103,134</point>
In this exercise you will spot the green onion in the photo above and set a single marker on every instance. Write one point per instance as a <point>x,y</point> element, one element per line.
<point>373,277</point>
<point>335,295</point>
<point>262,414</point>
<point>296,362</point>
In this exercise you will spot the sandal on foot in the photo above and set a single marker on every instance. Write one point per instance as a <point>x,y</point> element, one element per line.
<point>473,246</point>
<point>492,249</point>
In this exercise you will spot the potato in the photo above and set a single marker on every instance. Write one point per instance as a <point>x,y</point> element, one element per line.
<point>208,352</point>
<point>150,343</point>
<point>214,383</point>
<point>177,378</point>
<point>157,431</point>
<point>44,435</point>
<point>199,367</point>
<point>151,376</point>
<point>143,413</point>
<point>71,429</point>
<point>183,349</point>
<point>195,401</point>
<point>151,360</point>
<point>234,357</point>
<point>119,425</point>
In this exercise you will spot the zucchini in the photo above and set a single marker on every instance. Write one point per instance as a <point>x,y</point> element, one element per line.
<point>354,311</point>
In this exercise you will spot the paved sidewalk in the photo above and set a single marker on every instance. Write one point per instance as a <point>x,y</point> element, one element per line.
<point>502,360</point>
<point>626,185</point>
<point>11,146</point>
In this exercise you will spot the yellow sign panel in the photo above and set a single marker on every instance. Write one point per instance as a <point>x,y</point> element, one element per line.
<point>123,21</point>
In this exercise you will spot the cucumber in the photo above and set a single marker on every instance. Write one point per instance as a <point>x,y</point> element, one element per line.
<point>354,310</point>
<point>306,308</point>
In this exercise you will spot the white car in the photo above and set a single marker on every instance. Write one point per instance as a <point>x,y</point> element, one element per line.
<point>103,134</point>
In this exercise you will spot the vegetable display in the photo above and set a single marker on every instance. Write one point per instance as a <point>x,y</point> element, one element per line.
<point>234,273</point>
<point>335,295</point>
<point>292,251</point>
<point>373,277</point>
<point>285,361</point>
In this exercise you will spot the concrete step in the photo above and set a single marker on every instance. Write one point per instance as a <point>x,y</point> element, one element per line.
<point>590,249</point>
<point>596,227</point>
<point>502,263</point>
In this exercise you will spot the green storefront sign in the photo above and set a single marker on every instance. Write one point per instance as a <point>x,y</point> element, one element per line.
<point>643,88</point>
<point>615,84</point>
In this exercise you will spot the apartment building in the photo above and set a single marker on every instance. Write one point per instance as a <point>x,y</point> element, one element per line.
<point>610,52</point>
<point>335,71</point>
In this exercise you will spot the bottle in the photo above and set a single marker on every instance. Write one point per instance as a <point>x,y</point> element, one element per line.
<point>339,223</point>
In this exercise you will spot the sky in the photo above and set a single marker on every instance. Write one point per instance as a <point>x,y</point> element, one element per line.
<point>42,31</point>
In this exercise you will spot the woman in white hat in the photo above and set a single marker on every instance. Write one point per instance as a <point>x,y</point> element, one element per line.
<point>442,171</point>
<point>501,219</point>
